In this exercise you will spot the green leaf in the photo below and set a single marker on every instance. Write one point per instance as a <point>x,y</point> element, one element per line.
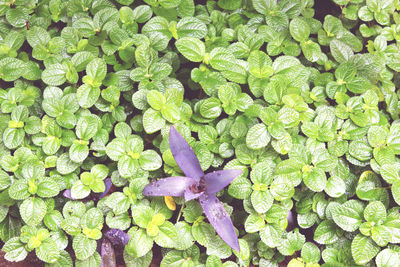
<point>191,27</point>
<point>254,223</point>
<point>37,36</point>
<point>185,240</point>
<point>87,95</point>
<point>258,136</point>
<point>127,166</point>
<point>240,188</point>
<point>310,253</point>
<point>315,179</point>
<point>360,150</point>
<point>15,250</point>
<point>142,215</point>
<point>79,190</point>
<point>191,48</point>
<point>176,258</point>
<point>11,69</point>
<point>363,249</point>
<point>83,247</point>
<point>86,127</point>
<point>64,260</point>
<point>264,6</point>
<point>33,210</point>
<point>81,59</point>
<point>48,251</point>
<point>294,241</point>
<point>139,244</point>
<point>220,59</point>
<point>54,74</point>
<point>375,212</point>
<point>203,233</point>
<point>326,233</point>
<point>348,215</point>
<point>396,191</point>
<point>335,187</point>
<point>271,235</point>
<point>261,201</point>
<point>156,99</point>
<point>260,64</point>
<point>47,188</point>
<point>152,121</point>
<point>390,172</point>
<point>19,190</point>
<point>388,258</point>
<point>341,52</point>
<point>299,29</point>
<point>149,160</point>
<point>78,152</point>
<point>377,136</point>
<point>210,108</point>
<point>167,235</point>
<point>171,113</point>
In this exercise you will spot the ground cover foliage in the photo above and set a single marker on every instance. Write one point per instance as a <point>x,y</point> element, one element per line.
<point>303,100</point>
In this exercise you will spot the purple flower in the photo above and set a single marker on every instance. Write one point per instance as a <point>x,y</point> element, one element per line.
<point>196,184</point>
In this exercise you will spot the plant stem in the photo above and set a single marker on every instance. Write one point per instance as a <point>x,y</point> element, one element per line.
<point>180,212</point>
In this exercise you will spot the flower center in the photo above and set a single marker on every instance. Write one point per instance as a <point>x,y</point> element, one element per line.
<point>198,187</point>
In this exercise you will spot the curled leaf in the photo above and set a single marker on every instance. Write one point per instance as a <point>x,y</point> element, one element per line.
<point>117,237</point>
<point>169,201</point>
<point>107,254</point>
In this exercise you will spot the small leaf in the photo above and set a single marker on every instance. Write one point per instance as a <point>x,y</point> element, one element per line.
<point>191,48</point>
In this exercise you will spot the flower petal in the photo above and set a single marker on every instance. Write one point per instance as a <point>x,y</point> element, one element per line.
<point>171,186</point>
<point>184,155</point>
<point>67,194</point>
<point>219,219</point>
<point>216,181</point>
<point>189,195</point>
<point>117,237</point>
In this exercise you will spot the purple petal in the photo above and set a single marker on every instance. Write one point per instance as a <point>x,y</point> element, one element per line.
<point>117,237</point>
<point>219,219</point>
<point>216,181</point>
<point>67,194</point>
<point>107,254</point>
<point>189,195</point>
<point>171,186</point>
<point>108,184</point>
<point>184,155</point>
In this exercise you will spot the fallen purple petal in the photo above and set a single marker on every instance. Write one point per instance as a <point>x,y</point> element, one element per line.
<point>117,237</point>
<point>67,194</point>
<point>108,185</point>
<point>219,219</point>
<point>107,254</point>
<point>184,155</point>
<point>216,181</point>
<point>171,186</point>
